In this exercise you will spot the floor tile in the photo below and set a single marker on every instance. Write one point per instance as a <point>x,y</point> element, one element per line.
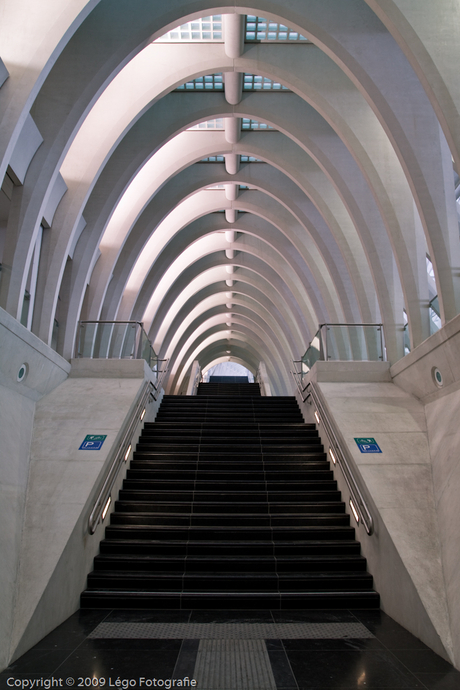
<point>441,681</point>
<point>315,616</point>
<point>74,630</point>
<point>39,661</point>
<point>350,670</point>
<point>149,616</point>
<point>343,645</point>
<point>422,661</point>
<point>121,644</point>
<point>124,664</point>
<point>393,660</point>
<point>281,669</point>
<point>388,631</point>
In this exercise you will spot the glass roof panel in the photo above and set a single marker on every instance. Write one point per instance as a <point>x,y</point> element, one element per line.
<point>204,29</point>
<point>260,29</point>
<point>218,123</point>
<point>254,82</point>
<point>247,123</point>
<point>210,82</point>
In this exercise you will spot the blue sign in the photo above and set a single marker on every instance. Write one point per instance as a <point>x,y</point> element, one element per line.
<point>368,445</point>
<point>93,442</point>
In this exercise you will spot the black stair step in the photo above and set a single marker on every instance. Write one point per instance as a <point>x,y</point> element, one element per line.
<point>229,548</point>
<point>232,508</point>
<point>227,486</point>
<point>230,501</point>
<point>142,511</point>
<point>218,564</point>
<point>230,497</point>
<point>229,519</point>
<point>229,600</point>
<point>234,582</point>
<point>235,533</point>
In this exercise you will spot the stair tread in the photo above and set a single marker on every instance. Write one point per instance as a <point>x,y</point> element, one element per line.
<point>230,499</point>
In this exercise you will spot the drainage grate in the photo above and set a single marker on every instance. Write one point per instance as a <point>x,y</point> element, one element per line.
<point>231,631</point>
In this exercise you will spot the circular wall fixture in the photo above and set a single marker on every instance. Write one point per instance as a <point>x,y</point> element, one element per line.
<point>22,373</point>
<point>437,377</point>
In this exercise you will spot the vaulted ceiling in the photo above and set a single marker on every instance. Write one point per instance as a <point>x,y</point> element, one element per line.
<point>232,183</point>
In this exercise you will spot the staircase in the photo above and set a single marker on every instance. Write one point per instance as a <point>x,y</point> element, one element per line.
<point>229,502</point>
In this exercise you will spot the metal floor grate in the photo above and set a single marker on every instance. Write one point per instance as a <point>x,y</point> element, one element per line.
<point>231,631</point>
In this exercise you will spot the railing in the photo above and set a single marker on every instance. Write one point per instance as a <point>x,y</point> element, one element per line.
<point>119,340</point>
<point>435,315</point>
<point>298,378</point>
<point>115,340</point>
<point>195,378</point>
<point>345,342</point>
<point>120,456</point>
<point>339,457</point>
<point>261,378</point>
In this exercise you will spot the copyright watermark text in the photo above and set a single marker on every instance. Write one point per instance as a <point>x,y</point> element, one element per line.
<point>93,682</point>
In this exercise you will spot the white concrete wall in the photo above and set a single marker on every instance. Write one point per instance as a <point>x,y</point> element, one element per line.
<point>442,409</point>
<point>47,485</point>
<point>405,552</point>
<point>56,548</point>
<point>17,408</point>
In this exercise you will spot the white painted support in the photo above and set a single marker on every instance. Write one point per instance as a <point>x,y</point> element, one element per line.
<point>55,196</point>
<point>233,82</point>
<point>231,215</point>
<point>232,129</point>
<point>232,163</point>
<point>234,34</point>
<point>25,149</point>
<point>231,193</point>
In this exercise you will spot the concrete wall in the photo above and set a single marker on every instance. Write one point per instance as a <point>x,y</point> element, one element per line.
<point>48,486</point>
<point>405,551</point>
<point>442,410</point>
<point>46,370</point>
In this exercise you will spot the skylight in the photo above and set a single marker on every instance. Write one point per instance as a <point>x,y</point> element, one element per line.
<point>209,82</point>
<point>203,30</point>
<point>213,159</point>
<point>250,159</point>
<point>254,124</point>
<point>255,82</point>
<point>260,29</point>
<point>210,124</point>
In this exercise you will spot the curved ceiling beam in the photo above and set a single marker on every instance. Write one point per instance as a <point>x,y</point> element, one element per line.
<point>217,337</point>
<point>207,311</point>
<point>272,309</point>
<point>255,334</point>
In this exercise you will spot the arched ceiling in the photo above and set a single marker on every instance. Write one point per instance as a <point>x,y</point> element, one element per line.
<point>307,185</point>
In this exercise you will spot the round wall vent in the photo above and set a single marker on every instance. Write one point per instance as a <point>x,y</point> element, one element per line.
<point>437,377</point>
<point>22,373</point>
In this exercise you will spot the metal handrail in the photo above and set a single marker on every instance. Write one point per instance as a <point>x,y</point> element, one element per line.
<point>120,456</point>
<point>161,378</point>
<point>297,376</point>
<point>323,353</point>
<point>196,381</point>
<point>137,346</point>
<point>347,471</point>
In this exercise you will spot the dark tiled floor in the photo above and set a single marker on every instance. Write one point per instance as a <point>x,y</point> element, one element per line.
<point>392,660</point>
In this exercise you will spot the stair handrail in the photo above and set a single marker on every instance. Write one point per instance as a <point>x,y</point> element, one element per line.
<point>341,459</point>
<point>120,456</point>
<point>298,376</point>
<point>161,373</point>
